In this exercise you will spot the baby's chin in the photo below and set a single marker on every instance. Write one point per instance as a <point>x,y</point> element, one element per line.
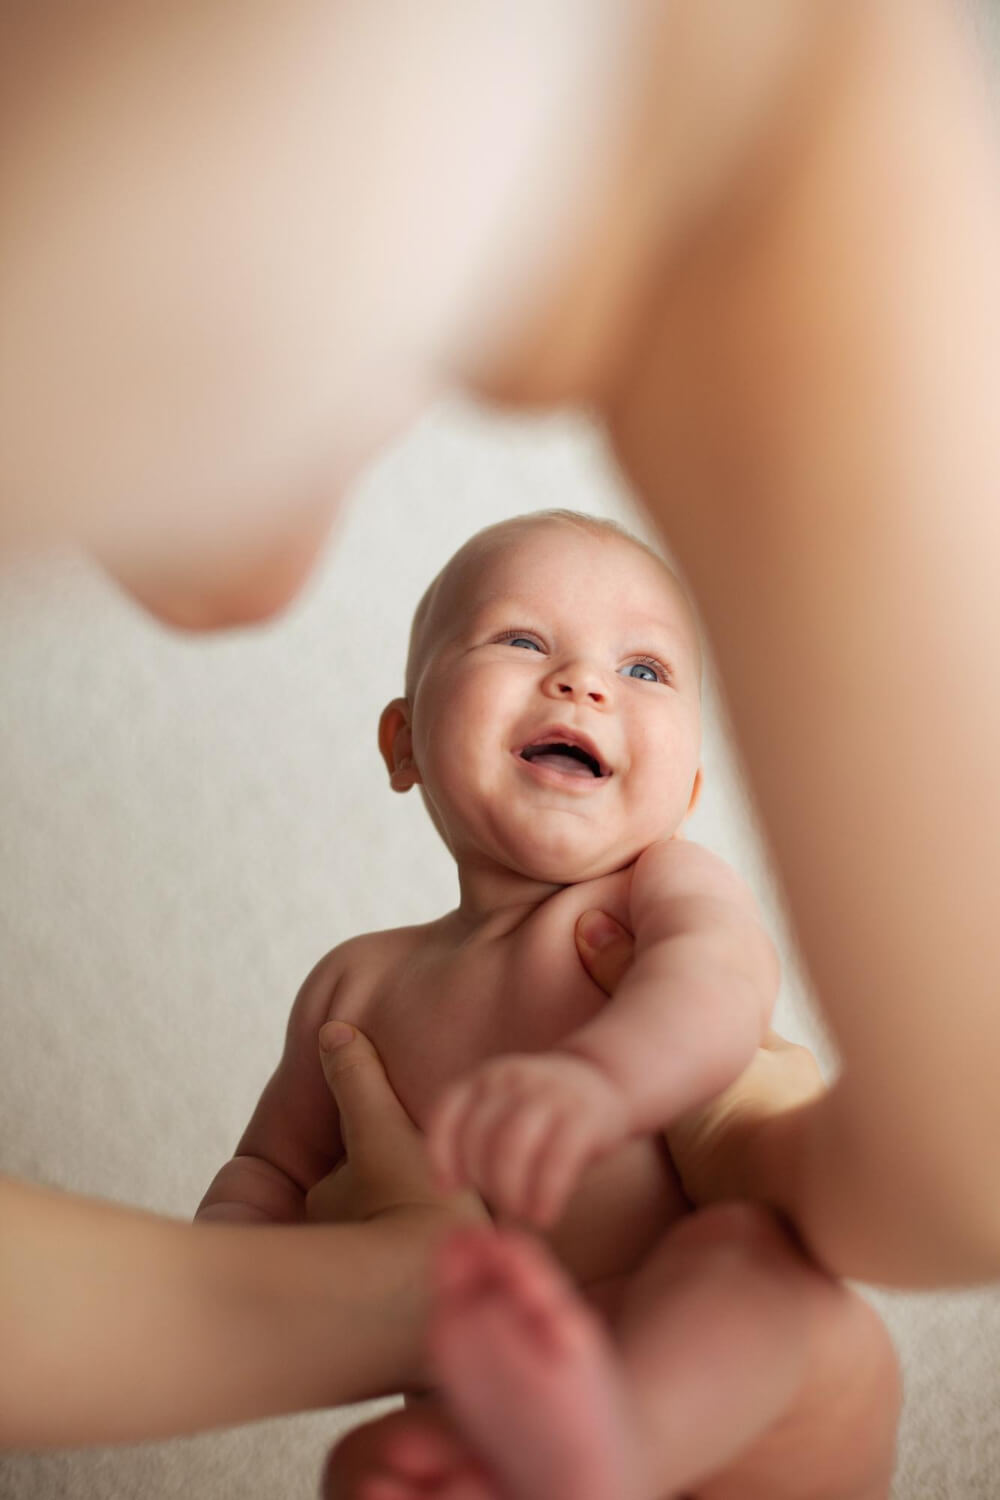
<point>549,852</point>
<point>554,868</point>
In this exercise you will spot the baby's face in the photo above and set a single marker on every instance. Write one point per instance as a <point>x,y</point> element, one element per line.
<point>556,715</point>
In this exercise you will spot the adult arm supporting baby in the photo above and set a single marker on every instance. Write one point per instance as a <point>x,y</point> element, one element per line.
<point>812,423</point>
<point>118,1326</point>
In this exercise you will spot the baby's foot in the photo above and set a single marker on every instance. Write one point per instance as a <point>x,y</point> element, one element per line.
<point>408,1455</point>
<point>529,1374</point>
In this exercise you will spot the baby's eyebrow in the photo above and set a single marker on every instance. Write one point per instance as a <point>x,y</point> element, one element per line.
<point>512,609</point>
<point>472,620</point>
<point>655,629</point>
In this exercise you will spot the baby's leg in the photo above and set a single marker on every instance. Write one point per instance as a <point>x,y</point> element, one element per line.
<point>744,1372</point>
<point>752,1375</point>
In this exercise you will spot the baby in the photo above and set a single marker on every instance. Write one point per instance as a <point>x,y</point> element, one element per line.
<point>552,722</point>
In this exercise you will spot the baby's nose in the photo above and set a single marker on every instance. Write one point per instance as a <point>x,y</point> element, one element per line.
<point>578,682</point>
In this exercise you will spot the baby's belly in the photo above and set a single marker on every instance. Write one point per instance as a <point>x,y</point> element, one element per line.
<point>623,1206</point>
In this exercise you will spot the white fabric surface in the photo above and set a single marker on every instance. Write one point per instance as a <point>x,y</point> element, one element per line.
<point>188,825</point>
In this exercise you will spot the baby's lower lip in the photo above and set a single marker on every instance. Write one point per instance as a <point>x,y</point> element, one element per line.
<point>562,763</point>
<point>560,770</point>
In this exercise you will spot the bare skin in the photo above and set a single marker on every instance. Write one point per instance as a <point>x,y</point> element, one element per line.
<point>793,312</point>
<point>739,347</point>
<point>855,353</point>
<point>236,1311</point>
<point>557,1131</point>
<point>536,842</point>
<point>424,1450</point>
<point>150,211</point>
<point>739,1370</point>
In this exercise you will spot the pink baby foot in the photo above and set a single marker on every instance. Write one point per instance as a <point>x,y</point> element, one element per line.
<point>408,1455</point>
<point>426,1469</point>
<point>529,1374</point>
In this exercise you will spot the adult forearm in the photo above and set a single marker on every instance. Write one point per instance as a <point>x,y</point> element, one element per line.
<point>812,422</point>
<point>118,1326</point>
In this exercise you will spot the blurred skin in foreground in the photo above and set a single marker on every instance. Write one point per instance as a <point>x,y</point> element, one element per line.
<point>722,231</point>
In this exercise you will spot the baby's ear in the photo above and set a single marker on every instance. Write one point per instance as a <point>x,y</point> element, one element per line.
<point>395,741</point>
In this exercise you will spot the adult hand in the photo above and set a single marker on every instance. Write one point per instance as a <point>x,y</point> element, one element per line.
<point>708,1145</point>
<point>385,1170</point>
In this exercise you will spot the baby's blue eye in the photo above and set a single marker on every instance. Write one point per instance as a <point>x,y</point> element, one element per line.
<point>524,642</point>
<point>640,670</point>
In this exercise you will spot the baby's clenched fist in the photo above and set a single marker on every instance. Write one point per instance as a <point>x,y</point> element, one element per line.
<point>522,1128</point>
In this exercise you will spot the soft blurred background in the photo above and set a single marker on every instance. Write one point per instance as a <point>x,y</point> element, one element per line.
<point>189,824</point>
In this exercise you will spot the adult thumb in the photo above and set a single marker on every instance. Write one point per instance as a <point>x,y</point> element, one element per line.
<point>605,948</point>
<point>357,1080</point>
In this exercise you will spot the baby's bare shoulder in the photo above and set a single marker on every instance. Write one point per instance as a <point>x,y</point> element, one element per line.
<point>343,982</point>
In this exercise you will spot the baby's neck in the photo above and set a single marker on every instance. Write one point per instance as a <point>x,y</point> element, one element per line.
<point>495,901</point>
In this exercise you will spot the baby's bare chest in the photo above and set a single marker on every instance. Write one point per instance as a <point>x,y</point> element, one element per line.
<point>437,1015</point>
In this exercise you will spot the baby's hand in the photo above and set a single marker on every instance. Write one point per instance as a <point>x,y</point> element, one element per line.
<point>522,1128</point>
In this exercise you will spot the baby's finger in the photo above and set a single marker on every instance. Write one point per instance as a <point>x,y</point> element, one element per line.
<point>514,1147</point>
<point>557,1168</point>
<point>536,1153</point>
<point>442,1135</point>
<point>477,1132</point>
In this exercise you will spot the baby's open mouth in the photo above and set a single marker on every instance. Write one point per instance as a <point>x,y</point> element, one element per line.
<point>560,755</point>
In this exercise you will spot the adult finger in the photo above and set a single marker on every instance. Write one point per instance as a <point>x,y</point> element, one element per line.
<point>605,948</point>
<point>369,1106</point>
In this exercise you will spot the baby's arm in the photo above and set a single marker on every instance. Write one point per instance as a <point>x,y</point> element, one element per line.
<point>683,1024</point>
<point>293,1138</point>
<point>689,1015</point>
